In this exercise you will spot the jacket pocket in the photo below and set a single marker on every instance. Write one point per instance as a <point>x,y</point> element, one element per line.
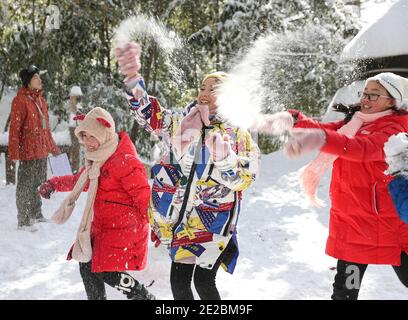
<point>119,203</point>
<point>375,206</point>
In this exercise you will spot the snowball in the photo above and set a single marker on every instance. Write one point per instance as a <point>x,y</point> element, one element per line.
<point>396,153</point>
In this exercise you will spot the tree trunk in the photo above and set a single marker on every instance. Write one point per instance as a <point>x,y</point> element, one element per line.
<point>217,35</point>
<point>74,150</point>
<point>10,170</point>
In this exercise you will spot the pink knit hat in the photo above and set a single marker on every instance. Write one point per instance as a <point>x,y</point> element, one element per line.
<point>98,122</point>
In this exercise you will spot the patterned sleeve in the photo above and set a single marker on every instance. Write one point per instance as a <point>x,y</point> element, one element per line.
<point>149,113</point>
<point>240,168</point>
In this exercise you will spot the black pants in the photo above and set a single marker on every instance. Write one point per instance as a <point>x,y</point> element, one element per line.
<point>181,276</point>
<point>31,174</point>
<point>349,275</point>
<point>94,283</point>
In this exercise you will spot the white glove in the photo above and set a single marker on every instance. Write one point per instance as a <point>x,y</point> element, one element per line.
<point>275,124</point>
<point>303,141</point>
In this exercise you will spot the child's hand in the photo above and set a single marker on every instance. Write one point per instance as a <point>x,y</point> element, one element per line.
<point>46,189</point>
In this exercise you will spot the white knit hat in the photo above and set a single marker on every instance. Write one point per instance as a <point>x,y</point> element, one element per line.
<point>98,122</point>
<point>396,86</point>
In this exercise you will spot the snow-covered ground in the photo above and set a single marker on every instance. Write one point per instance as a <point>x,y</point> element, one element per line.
<point>282,241</point>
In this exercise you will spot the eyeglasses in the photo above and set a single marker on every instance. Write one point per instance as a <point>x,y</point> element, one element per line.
<point>371,96</point>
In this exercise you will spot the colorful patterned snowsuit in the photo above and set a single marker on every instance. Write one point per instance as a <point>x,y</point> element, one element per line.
<point>195,203</point>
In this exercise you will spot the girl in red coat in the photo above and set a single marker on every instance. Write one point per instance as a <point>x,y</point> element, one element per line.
<point>364,226</point>
<point>113,233</point>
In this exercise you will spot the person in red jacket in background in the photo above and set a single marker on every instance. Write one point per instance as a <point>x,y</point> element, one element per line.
<point>30,142</point>
<point>364,226</point>
<point>114,230</point>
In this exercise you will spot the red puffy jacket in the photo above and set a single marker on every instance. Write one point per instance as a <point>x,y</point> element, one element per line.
<point>364,226</point>
<point>120,226</point>
<point>28,140</point>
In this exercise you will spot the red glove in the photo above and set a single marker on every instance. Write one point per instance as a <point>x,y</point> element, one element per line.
<point>154,239</point>
<point>56,151</point>
<point>46,189</point>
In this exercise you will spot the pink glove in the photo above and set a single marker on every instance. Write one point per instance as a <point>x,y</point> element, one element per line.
<point>128,57</point>
<point>190,127</point>
<point>195,119</point>
<point>275,124</point>
<point>303,141</point>
<point>219,146</point>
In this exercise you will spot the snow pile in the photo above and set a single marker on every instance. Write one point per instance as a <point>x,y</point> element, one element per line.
<point>385,37</point>
<point>396,152</point>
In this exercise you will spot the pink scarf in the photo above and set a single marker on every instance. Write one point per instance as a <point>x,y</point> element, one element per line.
<point>313,172</point>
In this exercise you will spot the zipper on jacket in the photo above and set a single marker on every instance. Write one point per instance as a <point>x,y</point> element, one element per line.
<point>122,204</point>
<point>227,225</point>
<point>375,198</point>
<point>189,182</point>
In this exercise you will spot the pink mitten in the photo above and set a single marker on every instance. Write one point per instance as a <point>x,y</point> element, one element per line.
<point>190,127</point>
<point>303,141</point>
<point>195,119</point>
<point>128,57</point>
<point>275,124</point>
<point>219,146</point>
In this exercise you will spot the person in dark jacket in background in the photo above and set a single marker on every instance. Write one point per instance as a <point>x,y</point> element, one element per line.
<point>30,142</point>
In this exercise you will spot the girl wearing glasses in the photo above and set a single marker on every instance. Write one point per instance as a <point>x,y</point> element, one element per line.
<point>364,226</point>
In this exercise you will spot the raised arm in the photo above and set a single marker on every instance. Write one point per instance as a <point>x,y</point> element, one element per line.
<point>66,183</point>
<point>146,109</point>
<point>360,148</point>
